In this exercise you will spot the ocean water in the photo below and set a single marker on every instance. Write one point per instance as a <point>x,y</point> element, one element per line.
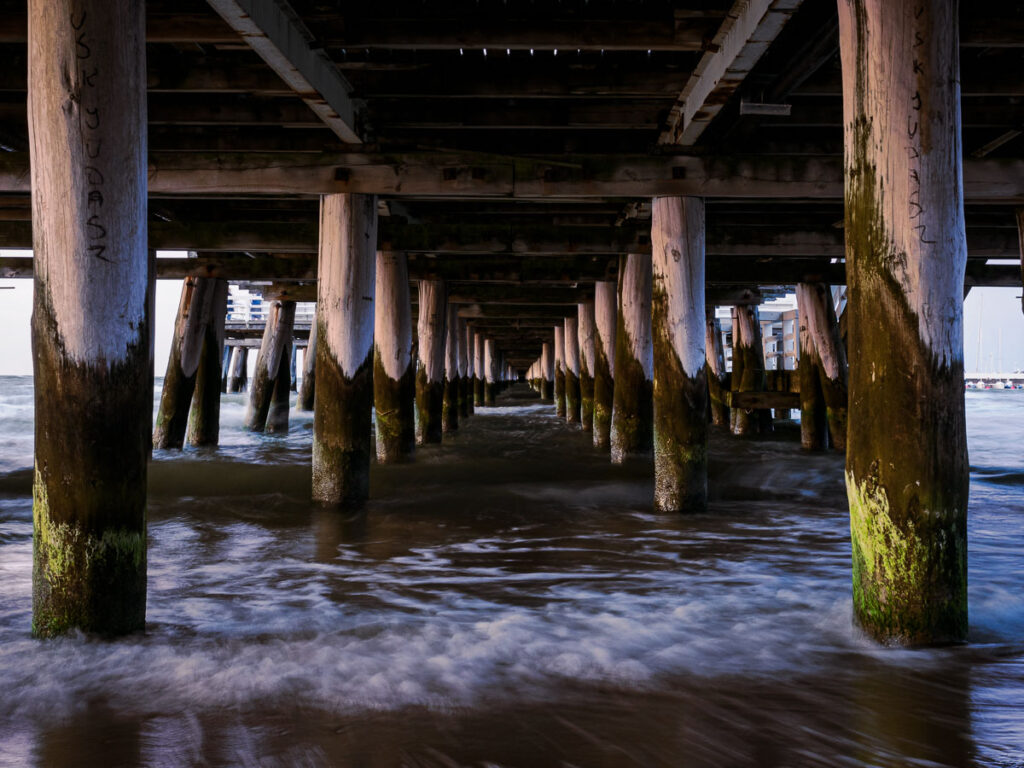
<point>511,600</point>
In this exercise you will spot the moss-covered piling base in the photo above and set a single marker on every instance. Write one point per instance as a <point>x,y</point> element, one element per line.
<point>92,447</point>
<point>632,420</point>
<point>395,404</point>
<point>429,409</point>
<point>280,400</point>
<point>573,406</point>
<point>450,406</point>
<point>586,401</point>
<point>342,436</point>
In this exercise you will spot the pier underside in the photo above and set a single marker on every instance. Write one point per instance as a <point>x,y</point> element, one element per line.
<point>561,195</point>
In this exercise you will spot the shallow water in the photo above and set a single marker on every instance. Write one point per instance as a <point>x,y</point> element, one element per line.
<point>511,600</point>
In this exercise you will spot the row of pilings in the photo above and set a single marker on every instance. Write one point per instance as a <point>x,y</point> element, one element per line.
<point>905,433</point>
<point>421,390</point>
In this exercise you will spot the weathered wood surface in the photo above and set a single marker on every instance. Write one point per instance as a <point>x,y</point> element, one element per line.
<point>283,43</point>
<point>204,416</point>
<point>605,326</point>
<point>342,415</point>
<point>761,400</point>
<point>906,459</point>
<point>992,180</point>
<point>748,30</point>
<point>680,390</point>
<point>632,427</point>
<point>394,367</point>
<point>274,355</point>
<point>91,324</point>
<point>432,336</point>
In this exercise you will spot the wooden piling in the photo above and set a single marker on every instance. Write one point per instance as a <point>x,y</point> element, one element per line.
<point>204,417</point>
<point>813,424</point>
<point>307,390</point>
<point>394,368</point>
<point>547,364</point>
<point>571,340</point>
<point>432,334</point>
<point>632,432</point>
<point>605,324</point>
<point>560,370</point>
<point>182,364</point>
<point>225,369</point>
<point>680,367</point>
<point>587,335</point>
<point>490,373</point>
<point>718,377</point>
<point>280,397</point>
<point>830,356</point>
<point>342,415</point>
<point>465,368</point>
<point>277,338</point>
<point>478,369</point>
<point>236,369</point>
<point>906,255</point>
<point>450,403</point>
<point>748,351</point>
<point>91,314</point>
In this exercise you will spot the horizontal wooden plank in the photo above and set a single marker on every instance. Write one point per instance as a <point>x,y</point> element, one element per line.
<point>760,400</point>
<point>481,176</point>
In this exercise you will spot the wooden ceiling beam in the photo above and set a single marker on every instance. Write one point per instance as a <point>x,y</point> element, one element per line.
<point>454,176</point>
<point>747,32</point>
<point>276,33</point>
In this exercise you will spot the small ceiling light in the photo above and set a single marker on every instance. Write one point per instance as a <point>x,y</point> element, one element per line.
<point>556,51</point>
<point>485,51</point>
<point>461,52</point>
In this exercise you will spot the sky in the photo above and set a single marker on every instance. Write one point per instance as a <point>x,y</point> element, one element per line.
<point>999,346</point>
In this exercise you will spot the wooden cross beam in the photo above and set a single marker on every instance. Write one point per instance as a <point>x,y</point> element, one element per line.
<point>275,32</point>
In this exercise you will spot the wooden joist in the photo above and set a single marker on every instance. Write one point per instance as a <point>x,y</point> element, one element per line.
<point>760,400</point>
<point>744,36</point>
<point>275,32</point>
<point>481,177</point>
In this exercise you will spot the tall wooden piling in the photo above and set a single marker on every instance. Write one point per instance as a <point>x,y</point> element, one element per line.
<point>342,415</point>
<point>632,432</point>
<point>307,390</point>
<point>91,315</point>
<point>718,377</point>
<point>587,335</point>
<point>394,368</point>
<point>680,367</point>
<point>748,353</point>
<point>182,364</point>
<point>490,373</point>
<point>547,373</point>
<point>560,370</point>
<point>815,300</point>
<point>465,370</point>
<point>225,369</point>
<point>906,458</point>
<point>813,429</point>
<point>605,324</point>
<point>432,334</point>
<point>204,417</point>
<point>571,339</point>
<point>450,403</point>
<point>478,369</point>
<point>277,339</point>
<point>280,397</point>
<point>236,370</point>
